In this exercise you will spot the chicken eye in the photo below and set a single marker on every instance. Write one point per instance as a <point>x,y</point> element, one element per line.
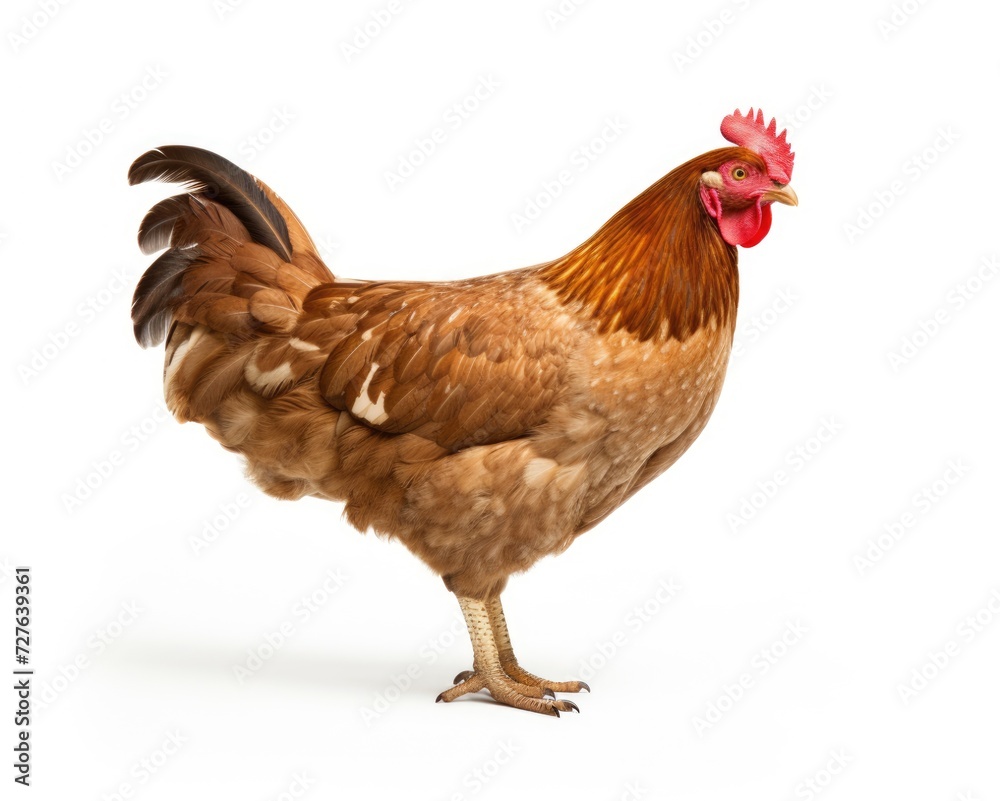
<point>739,174</point>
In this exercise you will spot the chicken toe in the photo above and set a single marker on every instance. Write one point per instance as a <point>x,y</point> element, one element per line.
<point>522,676</point>
<point>507,691</point>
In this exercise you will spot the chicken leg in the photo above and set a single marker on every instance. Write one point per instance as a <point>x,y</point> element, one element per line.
<point>495,668</point>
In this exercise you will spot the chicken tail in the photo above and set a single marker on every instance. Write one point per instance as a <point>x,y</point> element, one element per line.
<point>238,260</point>
<point>228,292</point>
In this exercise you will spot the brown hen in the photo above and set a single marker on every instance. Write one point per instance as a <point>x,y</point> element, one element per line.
<point>485,423</point>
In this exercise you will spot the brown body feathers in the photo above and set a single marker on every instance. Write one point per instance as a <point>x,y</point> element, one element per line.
<point>484,422</point>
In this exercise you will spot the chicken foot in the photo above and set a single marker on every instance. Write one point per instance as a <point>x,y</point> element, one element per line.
<point>495,668</point>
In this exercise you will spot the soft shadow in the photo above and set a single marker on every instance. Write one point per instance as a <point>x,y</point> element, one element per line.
<point>365,673</point>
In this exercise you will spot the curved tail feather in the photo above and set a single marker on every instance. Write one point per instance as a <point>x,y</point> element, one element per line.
<point>239,260</point>
<point>219,180</point>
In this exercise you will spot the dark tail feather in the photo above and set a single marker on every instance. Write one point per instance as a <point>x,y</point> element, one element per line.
<point>220,180</point>
<point>155,296</point>
<point>156,231</point>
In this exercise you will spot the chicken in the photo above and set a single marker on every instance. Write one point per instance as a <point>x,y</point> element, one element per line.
<point>484,423</point>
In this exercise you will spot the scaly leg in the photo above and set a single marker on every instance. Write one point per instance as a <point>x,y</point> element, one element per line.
<point>488,670</point>
<point>509,662</point>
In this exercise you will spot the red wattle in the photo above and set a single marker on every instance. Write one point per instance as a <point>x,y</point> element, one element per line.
<point>746,228</point>
<point>765,226</point>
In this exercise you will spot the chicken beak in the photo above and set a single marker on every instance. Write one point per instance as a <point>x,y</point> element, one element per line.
<point>782,194</point>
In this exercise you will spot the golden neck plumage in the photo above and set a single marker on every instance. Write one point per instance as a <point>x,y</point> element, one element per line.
<point>659,267</point>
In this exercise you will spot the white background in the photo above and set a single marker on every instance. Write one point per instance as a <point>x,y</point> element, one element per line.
<point>323,717</point>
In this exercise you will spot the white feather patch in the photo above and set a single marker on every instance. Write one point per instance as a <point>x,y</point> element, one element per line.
<point>366,409</point>
<point>539,471</point>
<point>712,179</point>
<point>268,380</point>
<point>301,344</point>
<point>178,354</point>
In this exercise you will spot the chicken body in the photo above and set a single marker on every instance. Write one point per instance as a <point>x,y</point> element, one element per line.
<point>616,414</point>
<point>485,423</point>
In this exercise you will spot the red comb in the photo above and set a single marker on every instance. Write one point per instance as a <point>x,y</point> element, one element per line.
<point>751,133</point>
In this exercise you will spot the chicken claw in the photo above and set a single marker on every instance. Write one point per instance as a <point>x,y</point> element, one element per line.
<point>496,670</point>
<point>507,691</point>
